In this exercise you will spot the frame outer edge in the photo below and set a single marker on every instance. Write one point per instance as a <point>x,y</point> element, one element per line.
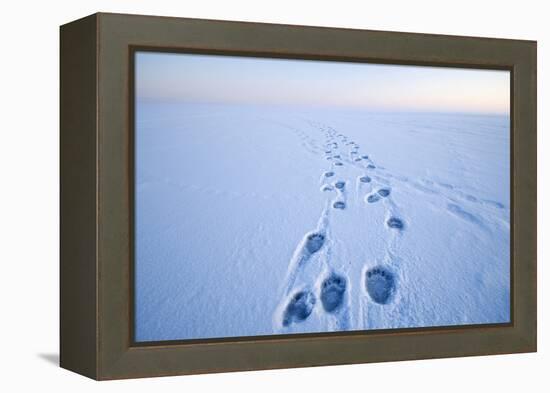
<point>527,191</point>
<point>78,197</point>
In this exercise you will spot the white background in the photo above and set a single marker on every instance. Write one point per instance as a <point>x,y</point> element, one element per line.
<point>29,168</point>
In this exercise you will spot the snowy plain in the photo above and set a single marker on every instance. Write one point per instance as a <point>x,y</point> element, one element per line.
<point>258,220</point>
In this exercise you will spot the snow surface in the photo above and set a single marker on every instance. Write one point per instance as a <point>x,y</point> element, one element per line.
<point>240,232</point>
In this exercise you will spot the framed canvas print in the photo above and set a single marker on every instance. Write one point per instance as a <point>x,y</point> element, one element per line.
<point>239,196</point>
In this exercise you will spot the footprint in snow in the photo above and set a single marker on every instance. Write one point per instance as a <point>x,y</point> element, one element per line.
<point>340,184</point>
<point>384,192</point>
<point>332,292</point>
<point>299,307</point>
<point>339,205</point>
<point>494,203</point>
<point>372,198</point>
<point>338,164</point>
<point>380,284</point>
<point>314,242</point>
<point>365,179</point>
<point>370,166</point>
<point>460,212</point>
<point>395,223</point>
<point>329,174</point>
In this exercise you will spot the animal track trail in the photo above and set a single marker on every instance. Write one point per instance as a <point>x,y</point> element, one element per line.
<point>346,165</point>
<point>333,287</point>
<point>307,142</point>
<point>336,157</point>
<point>363,186</point>
<point>456,200</point>
<point>298,300</point>
<point>382,194</point>
<point>358,160</point>
<point>341,195</point>
<point>380,281</point>
<point>314,250</point>
<point>393,222</point>
<point>460,204</point>
<point>458,211</point>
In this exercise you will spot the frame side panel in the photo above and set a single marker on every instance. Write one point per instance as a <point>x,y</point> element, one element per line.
<point>525,196</point>
<point>78,190</point>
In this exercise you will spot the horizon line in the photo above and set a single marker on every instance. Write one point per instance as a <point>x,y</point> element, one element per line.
<point>324,107</point>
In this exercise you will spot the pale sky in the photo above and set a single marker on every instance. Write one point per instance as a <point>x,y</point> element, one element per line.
<point>233,79</point>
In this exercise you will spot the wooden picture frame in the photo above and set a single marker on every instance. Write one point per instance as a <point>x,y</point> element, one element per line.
<point>96,269</point>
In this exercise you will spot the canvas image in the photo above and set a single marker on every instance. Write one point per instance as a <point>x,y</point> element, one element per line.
<point>289,196</point>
